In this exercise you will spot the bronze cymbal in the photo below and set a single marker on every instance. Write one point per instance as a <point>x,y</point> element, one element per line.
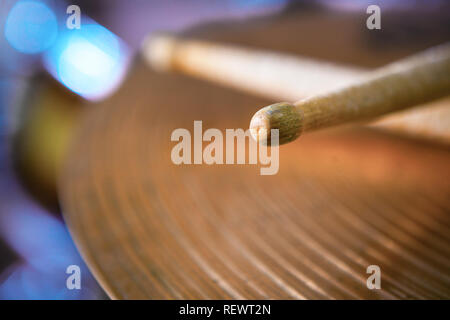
<point>342,200</point>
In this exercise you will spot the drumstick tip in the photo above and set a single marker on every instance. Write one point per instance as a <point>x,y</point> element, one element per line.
<point>158,49</point>
<point>283,116</point>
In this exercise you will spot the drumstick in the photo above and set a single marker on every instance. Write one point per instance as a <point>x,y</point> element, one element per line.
<point>403,84</point>
<point>280,76</point>
<point>247,69</point>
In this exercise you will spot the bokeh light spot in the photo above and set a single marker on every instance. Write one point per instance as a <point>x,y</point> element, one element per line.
<point>31,27</point>
<point>90,61</point>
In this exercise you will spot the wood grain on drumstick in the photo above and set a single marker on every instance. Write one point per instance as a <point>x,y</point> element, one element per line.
<point>403,84</point>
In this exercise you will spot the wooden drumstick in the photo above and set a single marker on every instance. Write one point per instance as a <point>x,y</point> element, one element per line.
<point>403,84</point>
<point>285,77</point>
<point>262,72</point>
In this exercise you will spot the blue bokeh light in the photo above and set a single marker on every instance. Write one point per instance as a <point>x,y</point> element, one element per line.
<point>46,250</point>
<point>25,282</point>
<point>31,27</point>
<point>90,61</point>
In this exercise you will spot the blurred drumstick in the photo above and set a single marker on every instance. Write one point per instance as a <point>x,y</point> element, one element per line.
<point>283,77</point>
<point>265,73</point>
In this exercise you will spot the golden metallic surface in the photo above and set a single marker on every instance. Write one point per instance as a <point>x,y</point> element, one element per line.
<point>341,201</point>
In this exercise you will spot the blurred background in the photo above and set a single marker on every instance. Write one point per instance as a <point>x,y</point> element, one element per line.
<point>49,74</point>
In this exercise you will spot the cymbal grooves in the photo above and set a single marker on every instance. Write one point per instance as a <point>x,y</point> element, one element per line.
<point>341,201</point>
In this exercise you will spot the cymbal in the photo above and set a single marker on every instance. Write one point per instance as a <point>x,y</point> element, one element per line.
<point>343,199</point>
